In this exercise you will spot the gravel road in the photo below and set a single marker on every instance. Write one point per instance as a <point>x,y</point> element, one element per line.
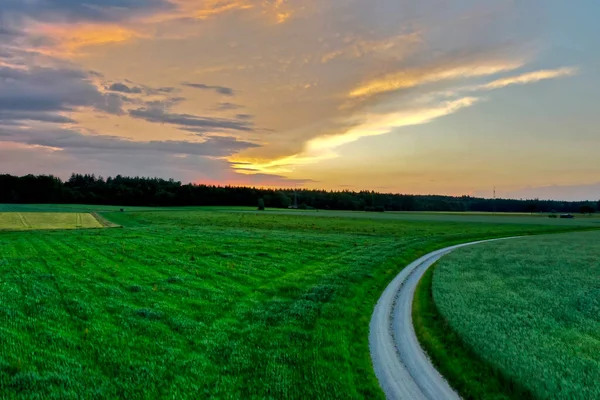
<point>402,367</point>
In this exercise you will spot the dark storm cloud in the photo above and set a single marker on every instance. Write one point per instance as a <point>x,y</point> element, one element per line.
<point>219,89</point>
<point>198,123</point>
<point>73,141</point>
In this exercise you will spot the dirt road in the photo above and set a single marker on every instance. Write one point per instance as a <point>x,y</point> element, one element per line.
<point>402,367</point>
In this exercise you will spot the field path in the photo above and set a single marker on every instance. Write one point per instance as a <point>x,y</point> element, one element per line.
<point>402,367</point>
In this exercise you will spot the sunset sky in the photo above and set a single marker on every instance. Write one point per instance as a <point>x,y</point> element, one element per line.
<point>428,97</point>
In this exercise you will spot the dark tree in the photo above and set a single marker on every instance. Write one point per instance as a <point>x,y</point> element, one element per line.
<point>586,210</point>
<point>261,205</point>
<point>154,192</point>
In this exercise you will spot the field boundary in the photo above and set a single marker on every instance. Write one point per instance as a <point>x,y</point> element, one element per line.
<point>104,222</point>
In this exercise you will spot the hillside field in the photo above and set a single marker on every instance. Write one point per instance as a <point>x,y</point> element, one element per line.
<point>209,302</point>
<point>530,309</point>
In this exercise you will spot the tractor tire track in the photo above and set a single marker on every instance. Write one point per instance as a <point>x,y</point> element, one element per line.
<point>26,224</point>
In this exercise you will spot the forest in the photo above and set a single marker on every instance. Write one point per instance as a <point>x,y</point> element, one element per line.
<point>141,191</point>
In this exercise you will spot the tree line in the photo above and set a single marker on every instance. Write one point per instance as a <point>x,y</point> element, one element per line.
<point>156,192</point>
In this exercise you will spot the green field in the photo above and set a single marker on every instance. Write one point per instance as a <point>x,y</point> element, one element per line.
<point>209,303</point>
<point>434,217</point>
<point>16,221</point>
<point>528,308</point>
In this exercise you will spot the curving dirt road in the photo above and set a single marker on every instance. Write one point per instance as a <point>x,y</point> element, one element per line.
<point>402,367</point>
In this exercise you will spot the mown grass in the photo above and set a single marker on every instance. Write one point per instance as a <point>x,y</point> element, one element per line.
<point>45,220</point>
<point>205,304</point>
<point>517,318</point>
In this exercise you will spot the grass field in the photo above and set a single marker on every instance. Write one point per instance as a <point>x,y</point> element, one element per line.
<point>196,304</point>
<point>482,217</point>
<point>16,221</point>
<point>526,313</point>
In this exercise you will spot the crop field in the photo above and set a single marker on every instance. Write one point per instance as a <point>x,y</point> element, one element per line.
<point>530,309</point>
<point>45,220</point>
<point>201,303</point>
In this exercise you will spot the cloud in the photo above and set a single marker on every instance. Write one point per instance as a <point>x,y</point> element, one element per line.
<point>66,26</point>
<point>323,147</point>
<point>123,88</point>
<point>278,10</point>
<point>195,122</point>
<point>74,141</point>
<point>8,33</point>
<point>61,27</point>
<point>219,89</point>
<point>184,167</point>
<point>416,77</point>
<point>37,92</point>
<point>68,39</point>
<point>50,94</point>
<point>378,124</point>
<point>13,116</point>
<point>211,8</point>
<point>399,45</point>
<point>530,77</point>
<point>228,107</point>
<point>393,73</point>
<point>71,11</point>
<point>63,151</point>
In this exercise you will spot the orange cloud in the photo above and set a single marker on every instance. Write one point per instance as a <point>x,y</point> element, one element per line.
<point>215,7</point>
<point>205,9</point>
<point>71,38</point>
<point>278,8</point>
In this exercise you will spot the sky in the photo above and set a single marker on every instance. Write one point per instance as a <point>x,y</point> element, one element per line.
<point>425,97</point>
